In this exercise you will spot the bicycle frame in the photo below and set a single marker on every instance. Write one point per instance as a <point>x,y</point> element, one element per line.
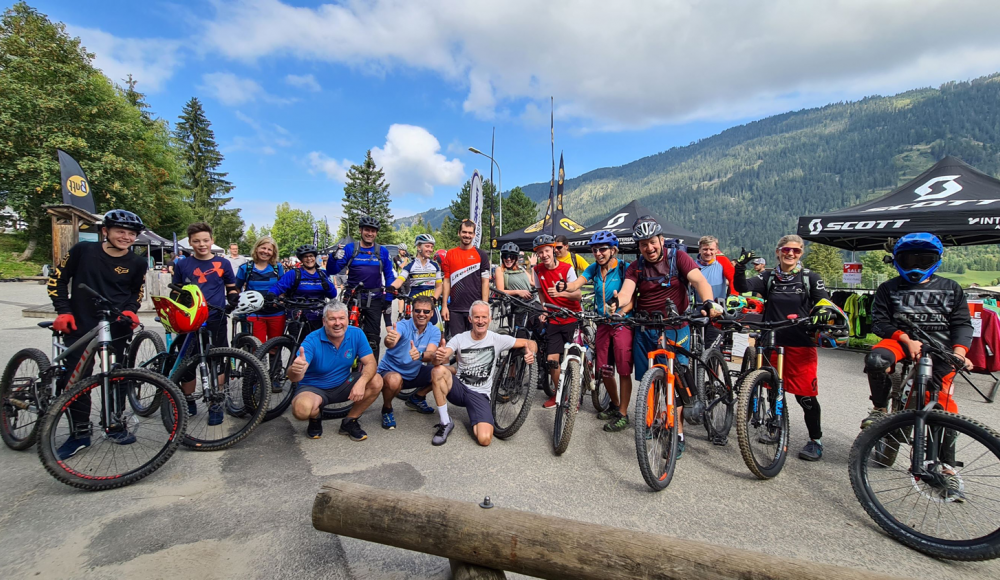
<point>96,342</point>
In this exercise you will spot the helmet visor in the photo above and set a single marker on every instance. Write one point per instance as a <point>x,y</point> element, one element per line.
<point>919,260</point>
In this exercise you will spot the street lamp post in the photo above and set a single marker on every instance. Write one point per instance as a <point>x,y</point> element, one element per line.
<point>500,186</point>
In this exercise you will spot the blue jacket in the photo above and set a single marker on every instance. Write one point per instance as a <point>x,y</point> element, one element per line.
<point>366,267</point>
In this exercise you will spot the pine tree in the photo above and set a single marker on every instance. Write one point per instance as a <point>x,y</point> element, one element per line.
<point>137,100</point>
<point>518,211</point>
<point>826,261</point>
<point>366,193</point>
<point>200,158</point>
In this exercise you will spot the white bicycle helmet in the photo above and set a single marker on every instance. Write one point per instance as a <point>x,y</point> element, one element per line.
<point>250,301</point>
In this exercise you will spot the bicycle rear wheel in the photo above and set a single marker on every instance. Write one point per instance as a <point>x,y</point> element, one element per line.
<point>762,427</point>
<point>567,407</point>
<point>23,399</point>
<point>717,387</point>
<point>110,456</point>
<point>511,395</point>
<point>950,513</point>
<point>146,351</point>
<point>246,342</point>
<point>656,433</point>
<point>277,354</point>
<point>228,410</point>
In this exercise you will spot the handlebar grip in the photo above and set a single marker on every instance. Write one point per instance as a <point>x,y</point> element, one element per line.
<point>176,287</point>
<point>89,290</point>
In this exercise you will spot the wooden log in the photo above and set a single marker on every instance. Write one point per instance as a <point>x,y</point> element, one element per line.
<point>543,546</point>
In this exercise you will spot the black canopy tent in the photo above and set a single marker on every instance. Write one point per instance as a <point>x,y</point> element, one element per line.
<point>952,199</point>
<point>524,237</point>
<point>620,223</point>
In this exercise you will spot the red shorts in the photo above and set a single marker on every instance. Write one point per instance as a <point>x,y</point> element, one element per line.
<point>800,370</point>
<point>267,327</point>
<point>945,395</point>
<point>617,340</point>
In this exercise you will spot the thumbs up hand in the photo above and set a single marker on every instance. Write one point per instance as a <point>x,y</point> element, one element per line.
<point>391,336</point>
<point>414,353</point>
<point>299,365</point>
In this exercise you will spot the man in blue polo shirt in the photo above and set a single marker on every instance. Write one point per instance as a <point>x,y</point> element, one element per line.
<point>409,344</point>
<point>323,371</point>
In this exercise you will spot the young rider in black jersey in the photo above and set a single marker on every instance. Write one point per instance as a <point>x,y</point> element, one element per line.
<point>111,269</point>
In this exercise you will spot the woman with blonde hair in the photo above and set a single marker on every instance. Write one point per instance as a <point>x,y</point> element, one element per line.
<point>260,273</point>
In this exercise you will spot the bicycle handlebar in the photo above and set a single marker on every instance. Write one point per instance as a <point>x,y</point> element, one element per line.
<point>928,342</point>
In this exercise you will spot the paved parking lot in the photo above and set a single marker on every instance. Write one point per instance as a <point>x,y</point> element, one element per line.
<point>245,512</point>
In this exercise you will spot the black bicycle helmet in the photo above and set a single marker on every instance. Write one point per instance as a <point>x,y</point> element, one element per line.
<point>509,249</point>
<point>120,218</point>
<point>543,240</point>
<point>305,249</point>
<point>645,228</point>
<point>368,221</point>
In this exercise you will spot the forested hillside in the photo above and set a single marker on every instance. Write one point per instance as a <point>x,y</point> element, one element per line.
<point>748,185</point>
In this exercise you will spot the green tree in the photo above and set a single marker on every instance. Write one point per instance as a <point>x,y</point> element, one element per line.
<point>292,228</point>
<point>960,269</point>
<point>825,260</point>
<point>518,211</point>
<point>200,158</point>
<point>366,193</point>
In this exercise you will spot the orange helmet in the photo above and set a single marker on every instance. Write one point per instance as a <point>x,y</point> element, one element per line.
<point>183,311</point>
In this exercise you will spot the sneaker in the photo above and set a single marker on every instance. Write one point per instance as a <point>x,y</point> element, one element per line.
<point>71,447</point>
<point>277,387</point>
<point>551,403</point>
<point>953,489</point>
<point>388,420</point>
<point>352,429</point>
<point>680,450</point>
<point>611,413</point>
<point>812,451</point>
<point>192,407</point>
<point>315,429</point>
<point>215,415</point>
<point>620,423</point>
<point>120,436</point>
<point>873,415</point>
<point>419,404</point>
<point>441,435</point>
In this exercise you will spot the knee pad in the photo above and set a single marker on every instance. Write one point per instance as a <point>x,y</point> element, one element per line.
<point>552,365</point>
<point>878,360</point>
<point>808,403</point>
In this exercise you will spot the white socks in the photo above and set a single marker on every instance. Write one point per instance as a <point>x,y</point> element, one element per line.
<point>443,413</point>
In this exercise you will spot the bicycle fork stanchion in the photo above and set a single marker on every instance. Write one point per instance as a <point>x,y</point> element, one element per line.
<point>670,419</point>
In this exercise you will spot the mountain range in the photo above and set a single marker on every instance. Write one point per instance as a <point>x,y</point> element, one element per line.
<point>748,184</point>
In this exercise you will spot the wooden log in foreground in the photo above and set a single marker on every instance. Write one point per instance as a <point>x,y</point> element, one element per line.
<point>542,546</point>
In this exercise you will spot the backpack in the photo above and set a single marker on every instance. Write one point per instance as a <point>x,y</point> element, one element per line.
<point>377,249</point>
<point>672,247</point>
<point>806,282</point>
<point>249,272</point>
<point>324,281</point>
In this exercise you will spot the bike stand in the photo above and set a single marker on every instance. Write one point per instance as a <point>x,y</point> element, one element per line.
<point>993,390</point>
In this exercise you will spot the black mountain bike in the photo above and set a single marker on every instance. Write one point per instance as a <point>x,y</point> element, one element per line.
<point>714,390</point>
<point>279,352</point>
<point>514,382</point>
<point>930,478</point>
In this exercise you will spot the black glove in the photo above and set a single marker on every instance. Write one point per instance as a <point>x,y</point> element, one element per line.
<point>561,286</point>
<point>745,257</point>
<point>613,303</point>
<point>233,300</point>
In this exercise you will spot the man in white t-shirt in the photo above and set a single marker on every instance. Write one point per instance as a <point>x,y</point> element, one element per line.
<point>234,257</point>
<point>470,383</point>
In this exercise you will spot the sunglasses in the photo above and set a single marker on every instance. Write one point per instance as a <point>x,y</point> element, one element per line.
<point>421,311</point>
<point>601,249</point>
<point>790,250</point>
<point>560,248</point>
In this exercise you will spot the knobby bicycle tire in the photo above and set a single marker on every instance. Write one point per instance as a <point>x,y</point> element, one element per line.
<point>277,355</point>
<point>718,393</point>
<point>22,388</point>
<point>239,404</point>
<point>515,394</point>
<point>969,467</point>
<point>566,408</point>
<point>139,358</point>
<point>761,426</point>
<point>246,342</point>
<point>171,419</point>
<point>655,439</point>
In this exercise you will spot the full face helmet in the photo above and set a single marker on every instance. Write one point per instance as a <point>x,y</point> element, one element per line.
<point>917,256</point>
<point>184,311</point>
<point>834,332</point>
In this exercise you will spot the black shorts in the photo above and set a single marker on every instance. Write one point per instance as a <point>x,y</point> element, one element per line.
<point>338,394</point>
<point>218,332</point>
<point>458,323</point>
<point>557,335</point>
<point>422,380</point>
<point>477,404</point>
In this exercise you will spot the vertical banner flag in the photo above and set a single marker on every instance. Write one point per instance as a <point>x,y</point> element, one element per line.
<point>315,234</point>
<point>493,197</point>
<point>175,246</point>
<point>75,187</point>
<point>476,205</point>
<point>552,182</point>
<point>559,185</point>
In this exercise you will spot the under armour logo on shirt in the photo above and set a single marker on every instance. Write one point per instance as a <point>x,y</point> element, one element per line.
<point>216,267</point>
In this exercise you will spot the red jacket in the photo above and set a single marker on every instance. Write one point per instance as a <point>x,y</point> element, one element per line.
<point>728,271</point>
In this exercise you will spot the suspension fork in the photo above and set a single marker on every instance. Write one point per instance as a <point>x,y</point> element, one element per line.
<point>568,354</point>
<point>112,406</point>
<point>671,384</point>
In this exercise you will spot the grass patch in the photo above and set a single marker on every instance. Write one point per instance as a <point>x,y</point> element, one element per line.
<point>10,267</point>
<point>983,278</point>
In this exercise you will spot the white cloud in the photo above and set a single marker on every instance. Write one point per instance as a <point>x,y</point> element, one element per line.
<point>150,61</point>
<point>412,162</point>
<point>335,170</point>
<point>307,82</point>
<point>264,141</point>
<point>632,63</point>
<point>230,89</point>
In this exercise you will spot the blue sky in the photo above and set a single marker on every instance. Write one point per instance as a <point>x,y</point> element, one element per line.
<point>296,91</point>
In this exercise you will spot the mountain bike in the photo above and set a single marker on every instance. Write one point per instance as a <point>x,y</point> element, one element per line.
<point>714,390</point>
<point>514,381</point>
<point>762,414</point>
<point>109,442</point>
<point>279,352</point>
<point>241,336</point>
<point>943,500</point>
<point>573,373</point>
<point>226,405</point>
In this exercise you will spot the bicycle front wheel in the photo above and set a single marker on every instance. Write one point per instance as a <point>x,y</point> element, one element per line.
<point>949,511</point>
<point>79,448</point>
<point>23,398</point>
<point>225,397</point>
<point>277,354</point>
<point>762,427</point>
<point>511,396</point>
<point>656,434</point>
<point>567,407</point>
<point>716,385</point>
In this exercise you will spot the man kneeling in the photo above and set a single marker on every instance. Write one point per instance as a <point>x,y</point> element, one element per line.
<point>409,344</point>
<point>469,385</point>
<point>323,371</point>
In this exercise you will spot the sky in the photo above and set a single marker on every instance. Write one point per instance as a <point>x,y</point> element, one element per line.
<point>297,91</point>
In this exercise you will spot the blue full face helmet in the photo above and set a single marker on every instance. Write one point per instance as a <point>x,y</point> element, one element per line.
<point>917,256</point>
<point>604,238</point>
